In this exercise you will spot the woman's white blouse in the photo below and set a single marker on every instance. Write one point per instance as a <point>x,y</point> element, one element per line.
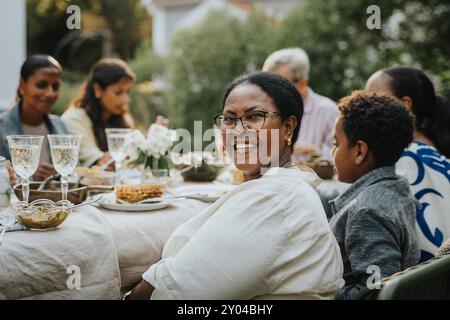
<point>267,239</point>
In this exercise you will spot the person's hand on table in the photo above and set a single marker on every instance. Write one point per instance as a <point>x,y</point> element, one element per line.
<point>44,171</point>
<point>105,159</point>
<point>143,291</point>
<point>305,149</point>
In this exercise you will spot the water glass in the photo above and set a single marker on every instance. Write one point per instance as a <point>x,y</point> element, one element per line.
<point>64,149</point>
<point>25,153</point>
<point>116,138</point>
<point>158,176</point>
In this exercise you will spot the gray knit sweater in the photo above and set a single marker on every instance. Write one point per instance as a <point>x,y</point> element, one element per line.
<point>374,225</point>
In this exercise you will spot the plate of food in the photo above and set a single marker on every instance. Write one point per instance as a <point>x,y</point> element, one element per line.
<point>144,197</point>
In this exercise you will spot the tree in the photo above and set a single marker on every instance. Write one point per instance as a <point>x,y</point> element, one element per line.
<point>207,57</point>
<point>344,52</point>
<point>108,27</point>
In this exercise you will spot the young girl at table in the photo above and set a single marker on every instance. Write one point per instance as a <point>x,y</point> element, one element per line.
<point>269,237</point>
<point>373,220</point>
<point>425,163</point>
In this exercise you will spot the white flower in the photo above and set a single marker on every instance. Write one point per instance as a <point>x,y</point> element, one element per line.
<point>158,142</point>
<point>160,138</point>
<point>133,143</point>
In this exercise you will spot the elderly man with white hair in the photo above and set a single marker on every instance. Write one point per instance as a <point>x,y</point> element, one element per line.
<point>320,113</point>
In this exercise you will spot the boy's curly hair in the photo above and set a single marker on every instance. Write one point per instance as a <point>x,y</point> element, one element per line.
<point>380,121</point>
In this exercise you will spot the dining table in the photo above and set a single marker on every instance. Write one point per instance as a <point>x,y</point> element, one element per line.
<point>96,253</point>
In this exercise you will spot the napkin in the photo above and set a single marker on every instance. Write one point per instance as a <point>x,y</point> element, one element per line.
<point>8,221</point>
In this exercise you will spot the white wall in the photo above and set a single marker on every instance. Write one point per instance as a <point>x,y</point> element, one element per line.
<point>12,47</point>
<point>165,20</point>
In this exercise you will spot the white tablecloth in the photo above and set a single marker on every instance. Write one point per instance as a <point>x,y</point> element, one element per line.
<point>140,236</point>
<point>111,248</point>
<point>35,264</point>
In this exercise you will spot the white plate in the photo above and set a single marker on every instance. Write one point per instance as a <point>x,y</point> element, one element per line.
<point>205,193</point>
<point>109,202</point>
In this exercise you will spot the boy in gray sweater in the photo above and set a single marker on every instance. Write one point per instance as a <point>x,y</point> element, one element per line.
<point>374,220</point>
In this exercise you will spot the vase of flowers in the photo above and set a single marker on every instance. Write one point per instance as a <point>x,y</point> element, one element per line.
<point>150,153</point>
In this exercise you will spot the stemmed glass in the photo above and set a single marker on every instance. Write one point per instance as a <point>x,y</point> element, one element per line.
<point>25,153</point>
<point>116,138</point>
<point>64,149</point>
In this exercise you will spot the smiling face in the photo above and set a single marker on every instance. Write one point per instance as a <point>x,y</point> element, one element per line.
<point>115,97</point>
<point>246,147</point>
<point>41,90</point>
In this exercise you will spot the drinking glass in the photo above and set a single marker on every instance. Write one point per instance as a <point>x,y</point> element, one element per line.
<point>25,153</point>
<point>116,145</point>
<point>160,176</point>
<point>64,149</point>
<point>155,176</point>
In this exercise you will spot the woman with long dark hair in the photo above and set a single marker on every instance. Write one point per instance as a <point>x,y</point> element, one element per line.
<point>102,103</point>
<point>425,163</point>
<point>38,91</point>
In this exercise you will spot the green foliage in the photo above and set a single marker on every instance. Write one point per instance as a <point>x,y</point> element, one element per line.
<point>207,57</point>
<point>163,162</point>
<point>342,50</point>
<point>118,25</point>
<point>68,92</point>
<point>46,24</point>
<point>147,101</point>
<point>124,19</point>
<point>146,63</point>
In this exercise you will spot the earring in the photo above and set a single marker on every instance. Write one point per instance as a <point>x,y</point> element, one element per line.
<point>289,141</point>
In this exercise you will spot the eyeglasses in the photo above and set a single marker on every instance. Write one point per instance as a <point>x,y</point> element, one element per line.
<point>253,120</point>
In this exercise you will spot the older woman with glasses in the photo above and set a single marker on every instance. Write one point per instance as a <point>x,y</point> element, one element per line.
<point>267,238</point>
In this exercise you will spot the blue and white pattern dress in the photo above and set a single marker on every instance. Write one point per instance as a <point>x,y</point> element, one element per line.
<point>428,173</point>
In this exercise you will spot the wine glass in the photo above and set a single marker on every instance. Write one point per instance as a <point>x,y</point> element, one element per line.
<point>116,138</point>
<point>64,149</point>
<point>25,153</point>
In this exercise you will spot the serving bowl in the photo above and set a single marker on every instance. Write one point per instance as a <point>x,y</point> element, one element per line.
<point>200,167</point>
<point>42,214</point>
